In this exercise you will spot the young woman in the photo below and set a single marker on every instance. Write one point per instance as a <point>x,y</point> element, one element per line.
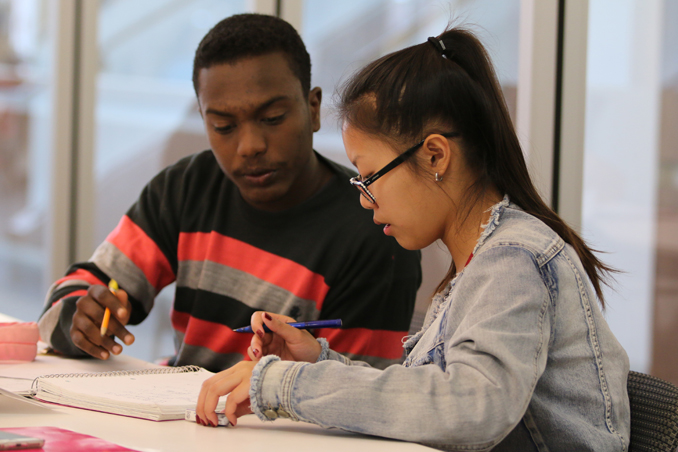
<point>514,354</point>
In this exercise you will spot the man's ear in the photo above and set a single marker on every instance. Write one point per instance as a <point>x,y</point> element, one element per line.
<point>315,97</point>
<point>438,153</point>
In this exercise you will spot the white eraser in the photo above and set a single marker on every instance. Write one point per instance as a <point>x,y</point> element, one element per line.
<point>221,418</point>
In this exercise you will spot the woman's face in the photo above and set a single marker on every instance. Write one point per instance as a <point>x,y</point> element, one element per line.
<point>408,204</point>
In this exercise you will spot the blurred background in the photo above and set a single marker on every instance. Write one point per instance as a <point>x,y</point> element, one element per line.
<point>96,98</point>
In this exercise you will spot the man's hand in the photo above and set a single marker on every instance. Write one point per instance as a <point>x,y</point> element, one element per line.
<point>89,313</point>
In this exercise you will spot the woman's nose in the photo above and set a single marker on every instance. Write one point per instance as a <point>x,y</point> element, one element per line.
<point>366,203</point>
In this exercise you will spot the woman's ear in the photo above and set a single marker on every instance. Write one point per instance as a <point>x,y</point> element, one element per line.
<point>439,154</point>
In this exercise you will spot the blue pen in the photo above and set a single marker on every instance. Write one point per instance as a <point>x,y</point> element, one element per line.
<point>336,323</point>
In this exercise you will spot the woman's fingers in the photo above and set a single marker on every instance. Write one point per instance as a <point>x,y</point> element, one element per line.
<point>253,353</point>
<point>257,323</point>
<point>279,325</point>
<point>262,343</point>
<point>298,344</point>
<point>234,381</point>
<point>213,388</point>
<point>288,342</point>
<point>237,400</point>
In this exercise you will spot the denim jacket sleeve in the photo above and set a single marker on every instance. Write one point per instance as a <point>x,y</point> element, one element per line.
<point>327,353</point>
<point>494,349</point>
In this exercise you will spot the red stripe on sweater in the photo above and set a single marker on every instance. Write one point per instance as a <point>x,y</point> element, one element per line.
<point>134,243</point>
<point>77,293</point>
<point>179,320</point>
<point>279,271</point>
<point>214,336</point>
<point>361,341</point>
<point>79,275</point>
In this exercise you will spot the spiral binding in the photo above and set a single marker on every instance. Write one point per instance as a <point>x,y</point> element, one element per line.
<point>118,373</point>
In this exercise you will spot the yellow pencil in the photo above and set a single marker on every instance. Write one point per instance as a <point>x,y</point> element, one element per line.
<point>113,287</point>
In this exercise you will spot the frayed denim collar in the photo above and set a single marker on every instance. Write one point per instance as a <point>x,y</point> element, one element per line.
<point>488,228</point>
<point>439,299</point>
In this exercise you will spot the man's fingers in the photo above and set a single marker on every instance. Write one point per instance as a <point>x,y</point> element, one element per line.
<point>83,342</point>
<point>118,330</point>
<point>123,315</point>
<point>87,336</point>
<point>86,329</point>
<point>120,312</point>
<point>118,303</point>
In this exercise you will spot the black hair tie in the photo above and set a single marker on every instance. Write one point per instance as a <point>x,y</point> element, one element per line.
<point>440,46</point>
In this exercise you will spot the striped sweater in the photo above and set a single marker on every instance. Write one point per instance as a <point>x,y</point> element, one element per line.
<point>322,259</point>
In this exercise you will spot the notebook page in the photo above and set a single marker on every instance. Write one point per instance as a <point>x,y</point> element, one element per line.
<point>19,377</point>
<point>158,395</point>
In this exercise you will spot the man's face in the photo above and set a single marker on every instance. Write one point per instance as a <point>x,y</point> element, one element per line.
<point>260,127</point>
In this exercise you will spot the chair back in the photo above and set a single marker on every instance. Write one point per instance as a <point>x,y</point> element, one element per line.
<point>654,414</point>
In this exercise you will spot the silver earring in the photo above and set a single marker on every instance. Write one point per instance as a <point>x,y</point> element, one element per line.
<point>438,178</point>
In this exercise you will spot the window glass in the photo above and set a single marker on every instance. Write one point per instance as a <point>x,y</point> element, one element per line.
<point>344,36</point>
<point>631,172</point>
<point>25,110</point>
<point>665,314</point>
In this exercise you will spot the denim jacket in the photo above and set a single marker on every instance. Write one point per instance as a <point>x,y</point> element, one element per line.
<point>514,355</point>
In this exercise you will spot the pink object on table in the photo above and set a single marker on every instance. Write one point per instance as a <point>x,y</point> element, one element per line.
<point>62,440</point>
<point>18,342</point>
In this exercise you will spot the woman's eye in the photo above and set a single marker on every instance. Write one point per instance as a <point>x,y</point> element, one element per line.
<point>273,120</point>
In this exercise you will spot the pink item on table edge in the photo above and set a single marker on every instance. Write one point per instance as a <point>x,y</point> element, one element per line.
<point>62,440</point>
<point>18,342</point>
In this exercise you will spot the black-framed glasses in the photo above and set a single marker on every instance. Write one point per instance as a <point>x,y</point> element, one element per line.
<point>362,185</point>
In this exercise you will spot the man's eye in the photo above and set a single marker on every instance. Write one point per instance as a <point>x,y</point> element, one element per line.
<point>273,120</point>
<point>223,129</point>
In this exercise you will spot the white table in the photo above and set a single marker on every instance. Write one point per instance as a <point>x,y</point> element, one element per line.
<point>249,435</point>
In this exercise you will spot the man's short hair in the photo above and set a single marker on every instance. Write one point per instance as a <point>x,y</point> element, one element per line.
<point>249,35</point>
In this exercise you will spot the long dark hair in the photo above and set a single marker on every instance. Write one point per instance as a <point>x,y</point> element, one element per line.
<point>416,91</point>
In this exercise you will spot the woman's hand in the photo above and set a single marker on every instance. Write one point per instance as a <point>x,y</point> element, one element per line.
<point>287,342</point>
<point>235,382</point>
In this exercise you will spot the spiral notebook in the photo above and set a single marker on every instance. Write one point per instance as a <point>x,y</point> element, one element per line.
<point>159,394</point>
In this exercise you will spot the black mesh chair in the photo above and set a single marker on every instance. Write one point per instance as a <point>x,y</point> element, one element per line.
<point>654,414</point>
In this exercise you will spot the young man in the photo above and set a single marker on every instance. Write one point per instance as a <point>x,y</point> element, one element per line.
<point>259,222</point>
